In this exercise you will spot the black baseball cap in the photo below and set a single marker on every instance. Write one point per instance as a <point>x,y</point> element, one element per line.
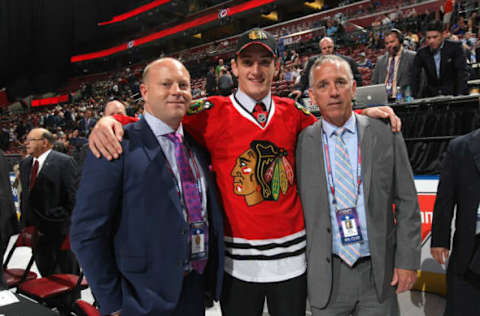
<point>257,36</point>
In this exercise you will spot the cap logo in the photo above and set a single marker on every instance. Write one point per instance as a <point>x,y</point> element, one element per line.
<point>257,35</point>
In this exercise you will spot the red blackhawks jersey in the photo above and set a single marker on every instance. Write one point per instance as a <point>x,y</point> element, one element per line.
<point>264,229</point>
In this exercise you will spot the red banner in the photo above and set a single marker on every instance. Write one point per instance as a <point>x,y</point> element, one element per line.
<point>3,99</point>
<point>173,30</point>
<point>50,101</point>
<point>134,12</point>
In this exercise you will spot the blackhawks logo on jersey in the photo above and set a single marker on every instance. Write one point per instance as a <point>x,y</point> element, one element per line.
<point>302,108</point>
<point>262,173</point>
<point>199,106</point>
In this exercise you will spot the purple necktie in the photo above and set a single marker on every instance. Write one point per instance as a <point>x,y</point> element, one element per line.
<point>191,193</point>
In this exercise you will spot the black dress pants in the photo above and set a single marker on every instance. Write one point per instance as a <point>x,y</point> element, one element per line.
<point>463,292</point>
<point>285,298</point>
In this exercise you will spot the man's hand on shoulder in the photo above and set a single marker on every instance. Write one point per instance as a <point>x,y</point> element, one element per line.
<point>404,279</point>
<point>295,94</point>
<point>104,140</point>
<point>384,112</point>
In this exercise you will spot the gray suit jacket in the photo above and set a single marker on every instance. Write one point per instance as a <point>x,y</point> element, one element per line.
<point>404,68</point>
<point>387,178</point>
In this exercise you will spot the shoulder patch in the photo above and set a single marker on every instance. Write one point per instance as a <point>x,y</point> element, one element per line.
<point>302,108</point>
<point>199,106</point>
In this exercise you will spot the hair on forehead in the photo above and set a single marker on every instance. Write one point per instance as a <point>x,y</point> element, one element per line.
<point>333,59</point>
<point>161,61</point>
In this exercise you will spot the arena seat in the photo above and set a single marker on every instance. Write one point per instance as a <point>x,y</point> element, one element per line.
<point>82,308</point>
<point>28,237</point>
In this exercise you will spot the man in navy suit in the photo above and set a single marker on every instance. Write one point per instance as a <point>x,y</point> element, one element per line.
<point>444,64</point>
<point>459,189</point>
<point>142,248</point>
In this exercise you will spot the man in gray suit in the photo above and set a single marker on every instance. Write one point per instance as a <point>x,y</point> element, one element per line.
<point>350,172</point>
<point>394,67</point>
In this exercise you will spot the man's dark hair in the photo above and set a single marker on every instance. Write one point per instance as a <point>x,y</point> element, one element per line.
<point>435,25</point>
<point>397,33</point>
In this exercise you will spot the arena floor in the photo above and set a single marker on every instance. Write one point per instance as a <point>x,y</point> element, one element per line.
<point>412,303</point>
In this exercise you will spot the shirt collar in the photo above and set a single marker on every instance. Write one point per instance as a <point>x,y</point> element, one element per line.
<point>350,126</point>
<point>439,49</point>
<point>248,103</point>
<point>159,127</point>
<point>42,157</point>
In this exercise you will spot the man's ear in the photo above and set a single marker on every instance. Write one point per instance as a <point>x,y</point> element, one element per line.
<point>143,91</point>
<point>277,66</point>
<point>234,67</point>
<point>354,87</point>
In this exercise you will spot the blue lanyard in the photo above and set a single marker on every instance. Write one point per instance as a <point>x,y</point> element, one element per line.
<point>330,173</point>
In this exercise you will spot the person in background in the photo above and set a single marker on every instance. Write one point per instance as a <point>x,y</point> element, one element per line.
<point>457,194</point>
<point>327,47</point>
<point>364,62</point>
<point>395,66</point>
<point>443,62</point>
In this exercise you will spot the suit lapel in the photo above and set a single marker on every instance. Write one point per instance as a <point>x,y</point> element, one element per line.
<point>318,158</point>
<point>383,74</point>
<point>366,149</point>
<point>431,65</point>
<point>443,59</point>
<point>399,70</point>
<point>149,141</point>
<point>474,146</point>
<point>27,172</point>
<point>160,163</point>
<point>45,166</point>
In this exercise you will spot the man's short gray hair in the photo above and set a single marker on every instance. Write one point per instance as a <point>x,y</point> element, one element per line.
<point>334,59</point>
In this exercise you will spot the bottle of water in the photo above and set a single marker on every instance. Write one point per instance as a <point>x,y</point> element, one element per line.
<point>408,94</point>
<point>399,96</point>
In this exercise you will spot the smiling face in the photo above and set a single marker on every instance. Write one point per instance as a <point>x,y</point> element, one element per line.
<point>255,67</point>
<point>333,90</point>
<point>166,91</point>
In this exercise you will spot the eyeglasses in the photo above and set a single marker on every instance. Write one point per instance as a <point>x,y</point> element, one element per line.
<point>32,139</point>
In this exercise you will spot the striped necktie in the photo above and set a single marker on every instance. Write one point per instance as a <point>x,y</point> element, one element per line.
<point>345,193</point>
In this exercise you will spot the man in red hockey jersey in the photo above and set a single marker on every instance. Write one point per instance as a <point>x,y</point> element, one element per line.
<point>251,136</point>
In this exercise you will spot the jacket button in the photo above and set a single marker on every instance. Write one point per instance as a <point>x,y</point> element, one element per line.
<point>329,230</point>
<point>328,259</point>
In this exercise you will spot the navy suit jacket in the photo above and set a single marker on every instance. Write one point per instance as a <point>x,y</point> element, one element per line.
<point>129,232</point>
<point>453,77</point>
<point>458,187</point>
